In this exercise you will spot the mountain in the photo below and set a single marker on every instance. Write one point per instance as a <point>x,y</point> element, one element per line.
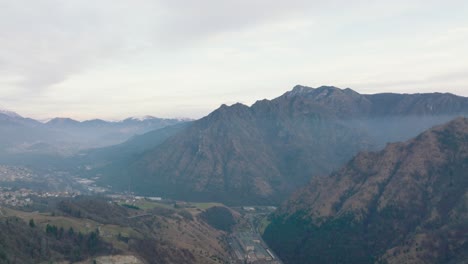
<point>260,154</point>
<point>234,155</point>
<point>62,122</point>
<point>347,103</point>
<point>99,133</point>
<point>9,113</point>
<point>405,204</point>
<point>17,130</point>
<point>11,118</point>
<point>26,141</point>
<point>118,156</point>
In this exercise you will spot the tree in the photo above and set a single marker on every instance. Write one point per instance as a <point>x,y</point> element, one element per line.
<point>51,230</point>
<point>71,232</point>
<point>93,242</point>
<point>31,223</point>
<point>60,232</point>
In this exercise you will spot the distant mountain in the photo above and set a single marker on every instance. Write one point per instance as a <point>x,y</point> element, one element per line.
<point>28,141</point>
<point>260,154</point>
<point>99,133</point>
<point>9,113</point>
<point>62,122</point>
<point>117,157</point>
<point>9,118</point>
<point>405,204</point>
<point>15,129</point>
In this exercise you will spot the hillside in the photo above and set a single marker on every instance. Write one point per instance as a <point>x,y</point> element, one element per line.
<point>405,204</point>
<point>118,156</point>
<point>90,228</point>
<point>260,154</point>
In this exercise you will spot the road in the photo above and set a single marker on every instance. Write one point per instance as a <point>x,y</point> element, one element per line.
<point>246,241</point>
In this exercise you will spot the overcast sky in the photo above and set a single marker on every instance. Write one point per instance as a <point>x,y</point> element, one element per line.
<point>170,58</point>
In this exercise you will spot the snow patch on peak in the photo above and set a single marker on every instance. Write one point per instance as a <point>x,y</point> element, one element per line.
<point>143,118</point>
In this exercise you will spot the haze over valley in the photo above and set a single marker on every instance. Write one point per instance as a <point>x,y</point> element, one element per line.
<point>233,132</point>
<point>250,158</point>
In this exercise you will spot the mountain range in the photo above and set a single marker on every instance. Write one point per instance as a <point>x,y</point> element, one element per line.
<point>347,193</point>
<point>262,153</point>
<point>25,139</point>
<point>407,203</point>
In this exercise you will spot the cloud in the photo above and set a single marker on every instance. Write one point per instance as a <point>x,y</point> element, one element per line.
<point>108,55</point>
<point>44,42</point>
<point>186,20</point>
<point>454,82</point>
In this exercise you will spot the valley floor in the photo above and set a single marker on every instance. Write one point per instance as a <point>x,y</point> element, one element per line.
<point>246,241</point>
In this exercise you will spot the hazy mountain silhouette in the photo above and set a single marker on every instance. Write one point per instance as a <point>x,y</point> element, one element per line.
<point>28,141</point>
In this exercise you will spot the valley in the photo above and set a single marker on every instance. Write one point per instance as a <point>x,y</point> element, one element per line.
<point>312,176</point>
<point>158,234</point>
<point>121,220</point>
<point>52,203</point>
<point>233,132</point>
<point>56,200</point>
<point>246,240</point>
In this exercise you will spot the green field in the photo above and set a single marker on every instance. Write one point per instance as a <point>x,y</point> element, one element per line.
<point>263,225</point>
<point>204,206</point>
<point>146,205</point>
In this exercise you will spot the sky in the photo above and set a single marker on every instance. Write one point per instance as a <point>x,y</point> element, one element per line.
<point>113,59</point>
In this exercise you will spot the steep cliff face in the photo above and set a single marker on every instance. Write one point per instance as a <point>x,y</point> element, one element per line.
<point>405,204</point>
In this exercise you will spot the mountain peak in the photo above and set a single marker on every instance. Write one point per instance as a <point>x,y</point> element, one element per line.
<point>301,88</point>
<point>329,88</point>
<point>237,109</point>
<point>9,113</point>
<point>140,118</point>
<point>233,106</point>
<point>298,90</point>
<point>62,121</point>
<point>322,91</point>
<point>325,91</point>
